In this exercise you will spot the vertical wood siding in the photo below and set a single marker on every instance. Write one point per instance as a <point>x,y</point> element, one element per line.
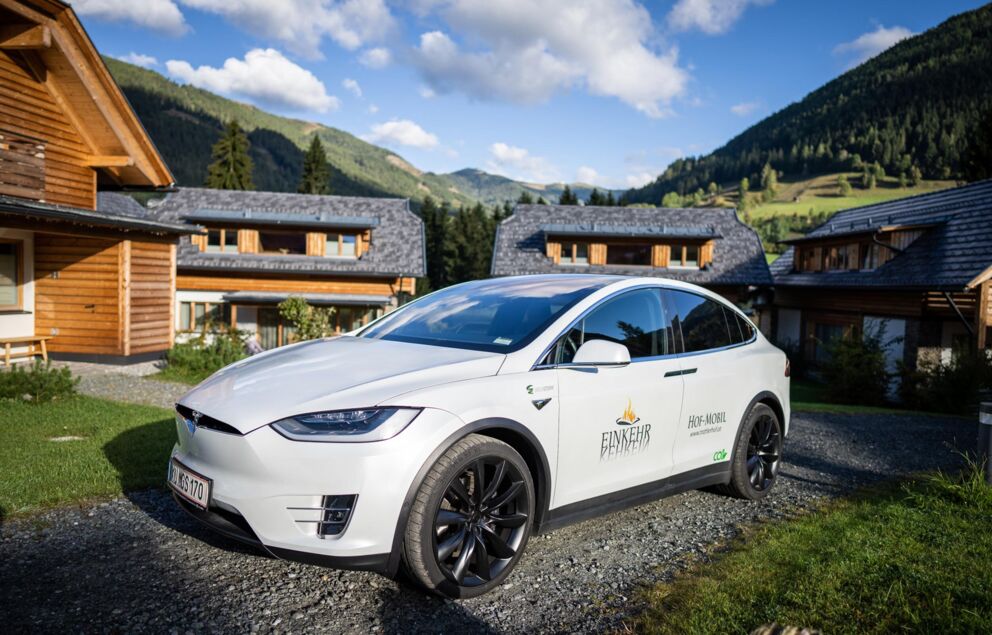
<point>151,293</point>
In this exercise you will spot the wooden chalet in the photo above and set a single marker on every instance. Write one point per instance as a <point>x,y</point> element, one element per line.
<point>359,256</point>
<point>83,273</point>
<point>705,246</point>
<point>920,265</point>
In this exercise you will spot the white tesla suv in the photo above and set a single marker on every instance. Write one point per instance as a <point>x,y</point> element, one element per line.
<point>441,436</point>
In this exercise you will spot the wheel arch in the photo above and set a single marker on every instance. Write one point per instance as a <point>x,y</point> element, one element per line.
<point>511,432</point>
<point>767,398</point>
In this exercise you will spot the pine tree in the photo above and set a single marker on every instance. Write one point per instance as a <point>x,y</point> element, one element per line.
<point>568,197</point>
<point>843,186</point>
<point>436,237</point>
<point>977,157</point>
<point>610,200</point>
<point>595,198</point>
<point>525,198</point>
<point>915,176</point>
<point>541,200</point>
<point>470,245</point>
<point>316,174</point>
<point>903,181</point>
<point>769,182</point>
<point>232,167</point>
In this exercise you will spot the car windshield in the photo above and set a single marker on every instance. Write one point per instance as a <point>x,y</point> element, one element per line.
<point>499,315</point>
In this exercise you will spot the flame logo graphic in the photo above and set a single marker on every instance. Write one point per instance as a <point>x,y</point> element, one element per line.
<point>629,417</point>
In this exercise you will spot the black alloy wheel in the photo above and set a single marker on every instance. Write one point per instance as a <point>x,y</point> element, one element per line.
<point>757,454</point>
<point>481,521</point>
<point>470,518</point>
<point>764,450</point>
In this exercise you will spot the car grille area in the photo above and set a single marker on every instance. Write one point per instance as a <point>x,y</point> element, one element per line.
<point>332,515</point>
<point>205,421</point>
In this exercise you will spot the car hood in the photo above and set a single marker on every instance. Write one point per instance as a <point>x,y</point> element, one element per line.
<point>330,374</point>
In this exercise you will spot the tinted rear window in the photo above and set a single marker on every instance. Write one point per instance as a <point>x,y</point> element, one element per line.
<point>703,322</point>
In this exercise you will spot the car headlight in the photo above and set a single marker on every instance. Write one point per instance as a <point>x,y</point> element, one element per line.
<point>347,426</point>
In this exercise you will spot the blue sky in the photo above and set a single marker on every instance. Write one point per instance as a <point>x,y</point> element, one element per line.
<point>603,91</point>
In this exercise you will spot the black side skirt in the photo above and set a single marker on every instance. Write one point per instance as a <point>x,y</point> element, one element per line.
<point>638,495</point>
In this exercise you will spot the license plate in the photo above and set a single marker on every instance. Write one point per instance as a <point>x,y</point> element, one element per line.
<point>189,484</point>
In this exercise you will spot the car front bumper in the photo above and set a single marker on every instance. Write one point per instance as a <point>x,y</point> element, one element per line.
<point>267,490</point>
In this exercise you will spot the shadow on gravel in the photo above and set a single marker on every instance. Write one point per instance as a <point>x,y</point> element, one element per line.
<point>406,608</point>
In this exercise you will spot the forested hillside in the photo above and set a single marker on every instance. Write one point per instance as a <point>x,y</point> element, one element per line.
<point>492,189</point>
<point>913,107</point>
<point>185,121</point>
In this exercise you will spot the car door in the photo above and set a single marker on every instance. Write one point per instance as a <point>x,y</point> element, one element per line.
<point>617,424</point>
<point>710,337</point>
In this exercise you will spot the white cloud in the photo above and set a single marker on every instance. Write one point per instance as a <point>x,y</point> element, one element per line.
<point>744,109</point>
<point>376,57</point>
<point>640,179</point>
<point>138,59</point>
<point>352,87</point>
<point>518,163</point>
<point>402,132</point>
<point>872,43</point>
<point>712,17</point>
<point>427,92</point>
<point>265,76</point>
<point>158,15</point>
<point>301,25</point>
<point>525,51</point>
<point>373,109</point>
<point>586,174</point>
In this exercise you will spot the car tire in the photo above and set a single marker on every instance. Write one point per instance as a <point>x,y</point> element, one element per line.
<point>757,454</point>
<point>463,540</point>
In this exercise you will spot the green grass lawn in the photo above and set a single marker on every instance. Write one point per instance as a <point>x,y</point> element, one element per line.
<point>179,376</point>
<point>123,447</point>
<point>904,559</point>
<point>809,396</point>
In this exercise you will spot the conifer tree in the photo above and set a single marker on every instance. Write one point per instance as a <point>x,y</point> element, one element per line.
<point>231,168</point>
<point>316,173</point>
<point>436,237</point>
<point>843,186</point>
<point>568,197</point>
<point>595,198</point>
<point>525,198</point>
<point>610,200</point>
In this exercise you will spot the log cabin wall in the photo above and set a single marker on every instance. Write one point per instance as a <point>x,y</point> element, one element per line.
<point>78,294</point>
<point>293,284</point>
<point>31,114</point>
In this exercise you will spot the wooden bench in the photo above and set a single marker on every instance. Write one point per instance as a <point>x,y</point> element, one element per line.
<point>35,343</point>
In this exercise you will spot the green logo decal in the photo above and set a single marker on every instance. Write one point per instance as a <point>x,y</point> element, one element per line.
<point>530,389</point>
<point>719,455</point>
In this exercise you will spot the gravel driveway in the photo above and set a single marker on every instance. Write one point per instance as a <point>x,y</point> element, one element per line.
<point>139,565</point>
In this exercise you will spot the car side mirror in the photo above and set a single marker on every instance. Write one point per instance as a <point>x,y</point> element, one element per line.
<point>601,353</point>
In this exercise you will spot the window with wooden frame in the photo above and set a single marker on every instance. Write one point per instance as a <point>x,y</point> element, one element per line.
<point>221,240</point>
<point>574,254</point>
<point>11,275</point>
<point>282,242</point>
<point>341,246</point>
<point>203,316</point>
<point>684,256</point>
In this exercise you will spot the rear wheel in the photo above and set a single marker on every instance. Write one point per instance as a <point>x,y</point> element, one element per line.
<point>757,455</point>
<point>471,518</point>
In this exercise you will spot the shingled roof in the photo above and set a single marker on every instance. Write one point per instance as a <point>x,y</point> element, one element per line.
<point>738,257</point>
<point>953,253</point>
<point>397,238</point>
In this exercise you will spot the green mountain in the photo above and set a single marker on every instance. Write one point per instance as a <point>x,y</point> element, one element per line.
<point>184,122</point>
<point>916,105</point>
<point>493,188</point>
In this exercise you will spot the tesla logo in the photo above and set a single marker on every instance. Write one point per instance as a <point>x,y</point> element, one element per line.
<point>540,403</point>
<point>629,417</point>
<point>719,455</point>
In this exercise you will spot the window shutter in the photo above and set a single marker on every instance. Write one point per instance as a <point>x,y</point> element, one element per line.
<point>554,252</point>
<point>248,241</point>
<point>706,254</point>
<point>597,254</point>
<point>200,240</point>
<point>316,243</point>
<point>659,255</point>
<point>359,245</point>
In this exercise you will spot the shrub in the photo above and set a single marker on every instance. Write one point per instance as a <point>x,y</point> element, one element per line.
<point>953,387</point>
<point>855,372</point>
<point>311,322</point>
<point>197,359</point>
<point>39,384</point>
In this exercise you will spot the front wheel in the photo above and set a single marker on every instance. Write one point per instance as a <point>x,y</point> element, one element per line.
<point>757,455</point>
<point>471,518</point>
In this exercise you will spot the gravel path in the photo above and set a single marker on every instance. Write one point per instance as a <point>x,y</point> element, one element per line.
<point>132,383</point>
<point>139,565</point>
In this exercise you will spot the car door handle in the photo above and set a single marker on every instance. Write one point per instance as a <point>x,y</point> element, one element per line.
<point>678,373</point>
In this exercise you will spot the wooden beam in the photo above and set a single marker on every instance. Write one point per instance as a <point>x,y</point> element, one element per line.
<point>25,36</point>
<point>108,161</point>
<point>982,314</point>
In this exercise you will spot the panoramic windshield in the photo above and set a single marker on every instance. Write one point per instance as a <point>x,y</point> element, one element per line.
<point>500,315</point>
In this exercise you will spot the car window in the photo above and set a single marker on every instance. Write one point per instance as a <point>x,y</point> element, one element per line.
<point>746,329</point>
<point>702,322</point>
<point>635,319</point>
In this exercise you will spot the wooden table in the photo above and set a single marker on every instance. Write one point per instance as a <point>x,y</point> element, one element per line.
<point>35,343</point>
